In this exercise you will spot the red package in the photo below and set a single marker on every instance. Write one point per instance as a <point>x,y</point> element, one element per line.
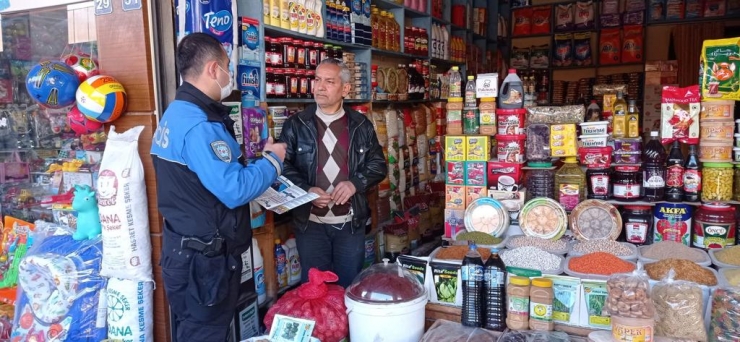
<point>498,169</point>
<point>609,46</point>
<point>632,49</point>
<point>679,113</point>
<point>522,22</point>
<point>316,301</point>
<point>541,19</point>
<point>596,157</point>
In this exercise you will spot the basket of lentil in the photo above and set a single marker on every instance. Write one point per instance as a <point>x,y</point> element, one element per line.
<point>533,258</point>
<point>559,246</point>
<point>622,250</point>
<point>670,249</point>
<point>728,257</point>
<point>482,240</point>
<point>597,266</point>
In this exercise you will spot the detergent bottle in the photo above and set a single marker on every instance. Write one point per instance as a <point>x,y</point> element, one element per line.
<point>294,261</point>
<point>281,265</point>
<point>259,272</point>
<point>511,94</point>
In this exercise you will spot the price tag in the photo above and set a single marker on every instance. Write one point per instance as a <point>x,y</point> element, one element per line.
<point>486,85</point>
<point>131,5</point>
<point>103,7</point>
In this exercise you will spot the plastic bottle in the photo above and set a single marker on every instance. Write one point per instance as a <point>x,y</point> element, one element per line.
<point>633,120</point>
<point>593,112</point>
<point>674,174</point>
<point>570,184</point>
<point>310,17</point>
<point>445,43</point>
<point>284,14</point>
<point>619,123</point>
<point>374,23</point>
<point>692,177</point>
<point>455,82</point>
<point>259,272</point>
<point>511,93</point>
<point>541,296</point>
<point>319,19</point>
<point>653,178</point>
<point>266,12</point>
<point>346,26</point>
<point>275,12</point>
<point>294,261</point>
<point>494,276</point>
<point>470,101</point>
<point>281,265</point>
<point>472,288</point>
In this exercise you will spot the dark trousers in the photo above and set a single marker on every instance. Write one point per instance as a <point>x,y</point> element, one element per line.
<point>327,248</point>
<point>194,321</point>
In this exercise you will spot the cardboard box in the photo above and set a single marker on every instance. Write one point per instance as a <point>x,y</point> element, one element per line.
<point>497,169</point>
<point>250,47</point>
<point>455,148</point>
<point>455,197</point>
<point>455,173</point>
<point>249,78</point>
<point>478,148</point>
<point>246,321</point>
<point>236,115</point>
<point>473,193</point>
<point>454,222</point>
<point>475,173</point>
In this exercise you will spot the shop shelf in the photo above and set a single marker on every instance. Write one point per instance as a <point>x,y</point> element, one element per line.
<point>273,31</point>
<point>441,21</point>
<point>387,53</point>
<point>444,61</point>
<point>278,101</point>
<point>385,102</point>
<point>386,5</point>
<point>412,13</point>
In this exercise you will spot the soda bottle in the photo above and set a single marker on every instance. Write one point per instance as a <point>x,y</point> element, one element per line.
<point>455,82</point>
<point>692,176</point>
<point>472,288</point>
<point>494,276</point>
<point>653,176</point>
<point>674,176</point>
<point>470,101</point>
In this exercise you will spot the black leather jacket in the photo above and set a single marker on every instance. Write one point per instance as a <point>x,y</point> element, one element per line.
<point>367,163</point>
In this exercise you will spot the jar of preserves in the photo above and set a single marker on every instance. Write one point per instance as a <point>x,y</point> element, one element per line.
<point>319,53</point>
<point>268,51</point>
<point>300,53</point>
<point>276,56</point>
<point>291,84</point>
<point>626,183</point>
<point>269,82</point>
<point>637,224</point>
<point>311,75</point>
<point>599,185</point>
<point>716,182</point>
<point>714,226</point>
<point>541,183</point>
<point>302,83</point>
<point>280,83</point>
<point>288,52</point>
<point>736,188</point>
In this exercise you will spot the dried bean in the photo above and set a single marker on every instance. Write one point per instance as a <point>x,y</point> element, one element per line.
<point>716,184</point>
<point>608,246</point>
<point>670,249</point>
<point>543,244</point>
<point>531,258</point>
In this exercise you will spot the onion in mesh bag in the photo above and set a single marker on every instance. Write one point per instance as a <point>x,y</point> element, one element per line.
<point>318,301</point>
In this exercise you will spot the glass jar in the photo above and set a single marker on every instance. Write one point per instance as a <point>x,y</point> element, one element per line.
<point>311,75</point>
<point>736,189</point>
<point>599,185</point>
<point>637,224</point>
<point>280,83</point>
<point>302,83</point>
<point>291,84</point>
<point>714,226</point>
<point>288,52</point>
<point>276,58</point>
<point>541,183</point>
<point>269,82</point>
<point>626,183</point>
<point>716,182</point>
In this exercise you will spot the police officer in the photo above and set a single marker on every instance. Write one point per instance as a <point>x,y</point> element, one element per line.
<point>203,192</point>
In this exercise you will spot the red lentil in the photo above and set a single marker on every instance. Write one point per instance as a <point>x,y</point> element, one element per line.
<point>600,263</point>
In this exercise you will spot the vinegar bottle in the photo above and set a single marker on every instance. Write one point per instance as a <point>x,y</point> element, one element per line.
<point>674,174</point>
<point>494,275</point>
<point>692,177</point>
<point>455,82</point>
<point>653,178</point>
<point>472,288</point>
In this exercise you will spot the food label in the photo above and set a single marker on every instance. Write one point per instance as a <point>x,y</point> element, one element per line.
<point>518,306</point>
<point>569,196</point>
<point>487,117</point>
<point>713,235</point>
<point>692,181</point>
<point>509,125</point>
<point>675,176</point>
<point>636,232</point>
<point>540,312</point>
<point>626,191</point>
<point>600,185</point>
<point>672,223</point>
<point>653,178</point>
<point>471,272</point>
<point>632,333</point>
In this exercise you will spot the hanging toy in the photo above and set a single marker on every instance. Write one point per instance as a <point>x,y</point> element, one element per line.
<point>88,220</point>
<point>101,99</point>
<point>83,65</point>
<point>80,124</point>
<point>52,84</point>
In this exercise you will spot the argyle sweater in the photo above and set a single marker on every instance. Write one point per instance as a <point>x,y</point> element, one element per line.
<point>333,164</point>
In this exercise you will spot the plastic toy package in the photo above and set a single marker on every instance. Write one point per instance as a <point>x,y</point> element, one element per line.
<point>59,289</point>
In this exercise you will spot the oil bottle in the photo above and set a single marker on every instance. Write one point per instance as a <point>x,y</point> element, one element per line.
<point>570,184</point>
<point>633,120</point>
<point>619,125</point>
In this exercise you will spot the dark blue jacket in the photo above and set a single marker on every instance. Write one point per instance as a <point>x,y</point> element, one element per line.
<point>203,186</point>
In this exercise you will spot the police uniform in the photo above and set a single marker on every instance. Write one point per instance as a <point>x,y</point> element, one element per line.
<point>203,193</point>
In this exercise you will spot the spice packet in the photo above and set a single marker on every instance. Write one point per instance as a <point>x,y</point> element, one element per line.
<point>563,55</point>
<point>679,309</point>
<point>567,292</point>
<point>719,69</point>
<point>595,305</point>
<point>446,282</point>
<point>582,48</point>
<point>416,266</point>
<point>680,109</point>
<point>564,17</point>
<point>610,46</point>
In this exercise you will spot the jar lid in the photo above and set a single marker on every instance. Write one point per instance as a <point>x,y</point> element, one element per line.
<point>519,281</point>
<point>385,283</point>
<point>455,99</point>
<point>488,99</point>
<point>541,282</point>
<point>715,206</point>
<point>637,207</point>
<point>717,165</point>
<point>539,164</point>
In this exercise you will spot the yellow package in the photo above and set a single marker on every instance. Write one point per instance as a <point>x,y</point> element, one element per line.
<point>478,148</point>
<point>563,140</point>
<point>719,68</point>
<point>455,148</point>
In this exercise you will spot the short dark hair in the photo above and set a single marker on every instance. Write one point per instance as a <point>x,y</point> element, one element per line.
<point>194,51</point>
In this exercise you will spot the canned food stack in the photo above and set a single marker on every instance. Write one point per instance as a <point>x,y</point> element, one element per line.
<point>276,116</point>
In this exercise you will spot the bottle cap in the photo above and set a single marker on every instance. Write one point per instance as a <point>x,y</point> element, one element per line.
<point>512,71</point>
<point>455,68</point>
<point>542,282</point>
<point>471,77</point>
<point>277,241</point>
<point>654,133</point>
<point>520,281</point>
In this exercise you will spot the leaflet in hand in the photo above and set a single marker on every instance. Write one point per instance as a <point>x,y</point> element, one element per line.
<point>283,196</point>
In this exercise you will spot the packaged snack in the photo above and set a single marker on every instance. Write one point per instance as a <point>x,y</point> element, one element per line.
<point>674,9</point>
<point>563,140</point>
<point>680,110</point>
<point>563,55</point>
<point>522,22</point>
<point>584,17</point>
<point>455,173</point>
<point>564,17</point>
<point>610,7</point>
<point>629,295</point>
<point>477,148</point>
<point>538,143</point>
<point>694,8</point>
<point>540,57</point>
<point>679,307</point>
<point>724,324</point>
<point>519,3</point>
<point>455,148</point>
<point>720,65</point>
<point>657,10</point>
<point>634,5</point>
<point>632,49</point>
<point>541,19</point>
<point>611,20</point>
<point>520,58</point>
<point>634,18</point>
<point>555,114</point>
<point>714,8</point>
<point>582,48</point>
<point>609,46</point>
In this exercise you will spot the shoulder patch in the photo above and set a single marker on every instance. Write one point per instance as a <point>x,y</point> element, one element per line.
<point>222,150</point>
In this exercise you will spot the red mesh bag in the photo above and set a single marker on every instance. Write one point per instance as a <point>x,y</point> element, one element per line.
<point>318,301</point>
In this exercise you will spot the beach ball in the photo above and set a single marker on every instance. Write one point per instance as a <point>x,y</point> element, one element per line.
<point>52,84</point>
<point>80,124</point>
<point>83,65</point>
<point>101,98</point>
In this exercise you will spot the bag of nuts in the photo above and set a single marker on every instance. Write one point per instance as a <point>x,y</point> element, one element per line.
<point>679,309</point>
<point>628,295</point>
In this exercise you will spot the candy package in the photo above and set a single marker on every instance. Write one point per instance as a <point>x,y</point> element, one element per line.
<point>632,49</point>
<point>564,17</point>
<point>609,47</point>
<point>541,19</point>
<point>584,17</point>
<point>563,55</point>
<point>522,21</point>
<point>680,108</point>
<point>582,48</point>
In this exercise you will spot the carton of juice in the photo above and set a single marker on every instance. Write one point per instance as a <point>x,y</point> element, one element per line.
<point>455,148</point>
<point>478,148</point>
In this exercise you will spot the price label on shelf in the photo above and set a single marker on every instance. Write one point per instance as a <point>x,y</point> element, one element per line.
<point>486,85</point>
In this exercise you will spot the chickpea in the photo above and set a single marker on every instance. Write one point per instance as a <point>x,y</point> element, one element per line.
<point>717,184</point>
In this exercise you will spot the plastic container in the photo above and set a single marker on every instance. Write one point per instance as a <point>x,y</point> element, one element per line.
<point>717,110</point>
<point>487,115</point>
<point>628,145</point>
<point>627,157</point>
<point>510,148</point>
<point>510,121</point>
<point>511,93</point>
<point>706,262</point>
<point>570,184</point>
<point>633,329</point>
<point>594,128</point>
<point>541,183</point>
<point>595,157</point>
<point>538,145</point>
<point>632,257</point>
<point>541,296</point>
<point>715,152</point>
<point>386,302</point>
<point>571,273</point>
<point>715,131</point>
<point>593,140</point>
<point>517,299</point>
<point>718,263</point>
<point>716,182</point>
<point>714,226</point>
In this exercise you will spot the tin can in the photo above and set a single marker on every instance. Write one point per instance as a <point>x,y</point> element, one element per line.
<point>672,222</point>
<point>471,121</point>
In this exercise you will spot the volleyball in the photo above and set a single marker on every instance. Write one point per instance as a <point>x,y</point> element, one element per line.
<point>80,124</point>
<point>83,65</point>
<point>52,84</point>
<point>101,98</point>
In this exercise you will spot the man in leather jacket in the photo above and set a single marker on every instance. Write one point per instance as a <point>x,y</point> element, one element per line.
<point>332,151</point>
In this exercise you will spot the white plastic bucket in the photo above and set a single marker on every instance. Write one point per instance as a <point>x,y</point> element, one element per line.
<point>400,322</point>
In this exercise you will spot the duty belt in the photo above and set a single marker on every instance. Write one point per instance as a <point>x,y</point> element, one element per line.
<point>210,249</point>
